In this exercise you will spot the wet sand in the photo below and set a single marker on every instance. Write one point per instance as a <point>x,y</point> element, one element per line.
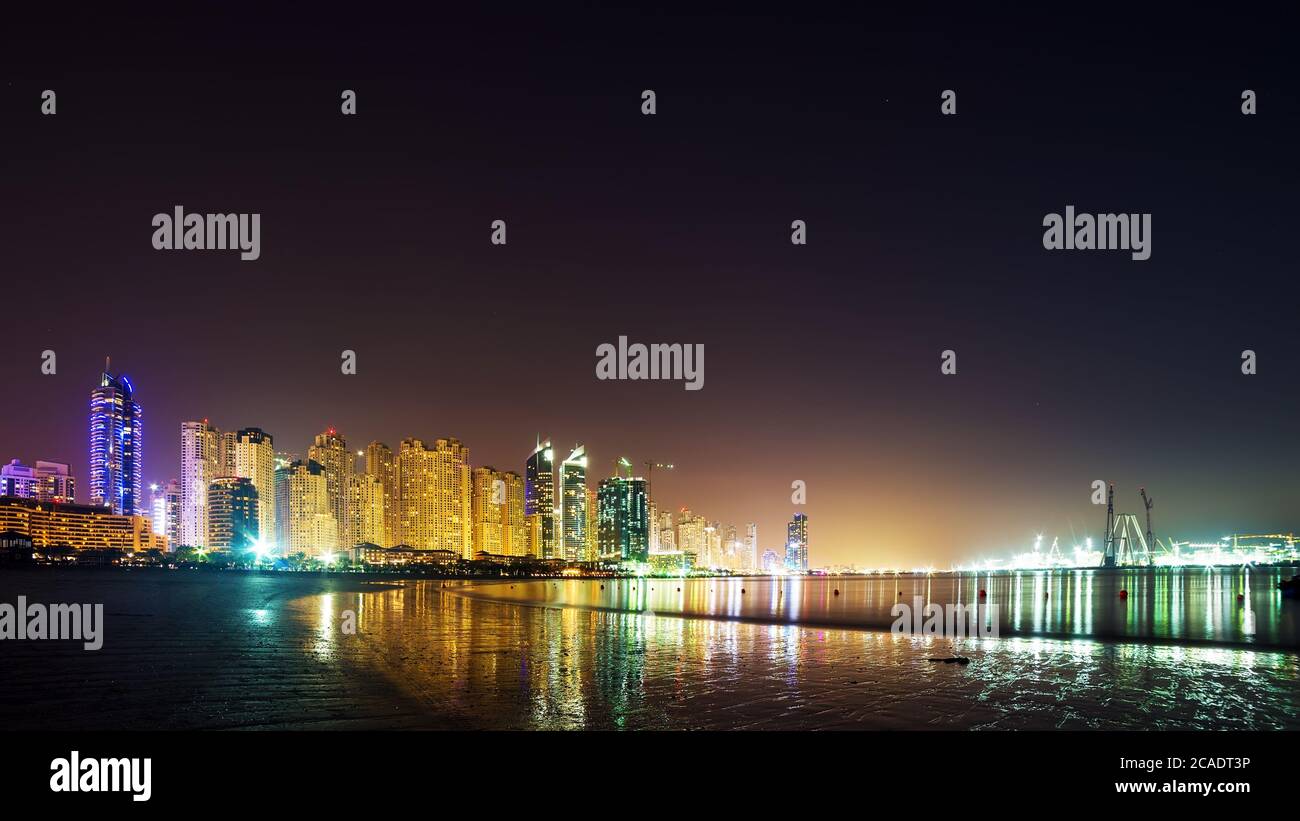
<point>243,651</point>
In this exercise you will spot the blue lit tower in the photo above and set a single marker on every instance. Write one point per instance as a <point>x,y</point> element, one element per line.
<point>116,436</point>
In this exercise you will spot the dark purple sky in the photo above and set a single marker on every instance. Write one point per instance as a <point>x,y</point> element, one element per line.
<point>822,362</point>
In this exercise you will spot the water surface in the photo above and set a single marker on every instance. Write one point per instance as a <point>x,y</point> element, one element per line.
<point>190,650</point>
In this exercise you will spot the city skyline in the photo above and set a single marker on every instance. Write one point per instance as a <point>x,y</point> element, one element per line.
<point>249,451</point>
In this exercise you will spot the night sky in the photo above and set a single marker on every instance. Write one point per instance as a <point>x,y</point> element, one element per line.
<point>821,361</point>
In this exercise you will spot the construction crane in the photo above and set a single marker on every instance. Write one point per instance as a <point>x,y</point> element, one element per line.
<point>1125,543</point>
<point>1108,550</point>
<point>1146,500</point>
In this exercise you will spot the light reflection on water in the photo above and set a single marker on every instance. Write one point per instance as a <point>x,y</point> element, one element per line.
<point>473,662</point>
<point>1240,606</point>
<point>233,650</point>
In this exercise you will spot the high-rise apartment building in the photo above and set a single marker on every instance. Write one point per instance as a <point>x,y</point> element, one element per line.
<point>497,511</point>
<point>514,529</point>
<point>166,511</point>
<point>253,457</point>
<point>366,507</point>
<point>201,461</point>
<point>305,518</point>
<point>667,540</point>
<point>233,520</point>
<point>381,464</point>
<point>434,496</point>
<point>330,451</point>
<point>692,537</point>
<point>488,501</point>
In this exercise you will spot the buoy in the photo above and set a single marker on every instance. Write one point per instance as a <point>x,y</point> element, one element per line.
<point>1123,594</point>
<point>900,594</point>
<point>837,591</point>
<point>680,590</point>
<point>1045,595</point>
<point>742,590</point>
<point>602,587</point>
<point>1241,597</point>
<point>982,593</point>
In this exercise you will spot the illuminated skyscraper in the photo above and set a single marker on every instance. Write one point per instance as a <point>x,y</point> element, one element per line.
<point>593,532</point>
<point>498,512</point>
<point>488,502</point>
<point>158,510</point>
<point>623,520</point>
<point>200,464</point>
<point>381,464</point>
<point>226,453</point>
<point>306,521</point>
<point>232,514</point>
<point>434,495</point>
<point>667,538</point>
<point>692,537</point>
<point>573,505</point>
<point>514,530</point>
<point>366,507</point>
<point>166,511</point>
<point>330,451</point>
<point>731,548</point>
<point>751,547</point>
<point>713,539</point>
<point>116,441</point>
<point>539,501</point>
<point>253,455</point>
<point>796,550</point>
